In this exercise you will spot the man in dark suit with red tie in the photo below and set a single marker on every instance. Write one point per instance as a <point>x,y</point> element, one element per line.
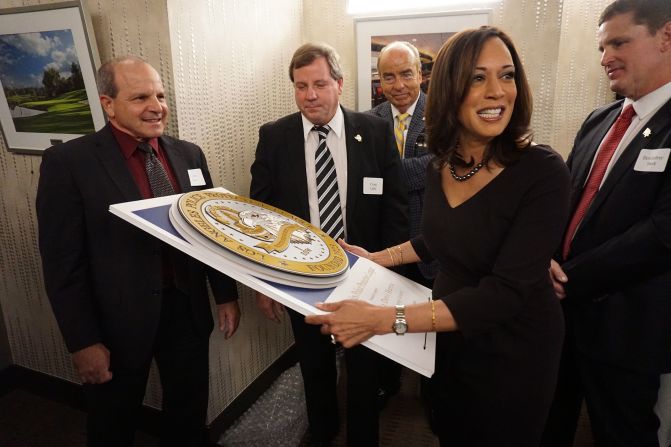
<point>614,270</point>
<point>119,295</point>
<point>367,207</point>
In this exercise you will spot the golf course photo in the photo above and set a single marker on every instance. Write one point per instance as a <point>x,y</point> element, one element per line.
<point>43,84</point>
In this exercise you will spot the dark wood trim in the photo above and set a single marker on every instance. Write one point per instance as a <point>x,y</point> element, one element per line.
<point>60,390</point>
<point>43,385</point>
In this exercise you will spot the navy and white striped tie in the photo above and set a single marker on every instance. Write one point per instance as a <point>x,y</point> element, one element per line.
<point>330,214</point>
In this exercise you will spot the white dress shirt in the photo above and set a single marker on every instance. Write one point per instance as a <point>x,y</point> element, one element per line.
<point>645,108</point>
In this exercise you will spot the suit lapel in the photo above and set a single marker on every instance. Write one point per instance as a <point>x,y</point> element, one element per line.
<point>628,157</point>
<point>354,161</point>
<point>178,164</point>
<point>295,157</point>
<point>108,153</point>
<point>416,127</point>
<point>417,123</point>
<point>386,112</point>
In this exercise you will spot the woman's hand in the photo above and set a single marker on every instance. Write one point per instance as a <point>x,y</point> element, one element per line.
<point>355,249</point>
<point>352,322</point>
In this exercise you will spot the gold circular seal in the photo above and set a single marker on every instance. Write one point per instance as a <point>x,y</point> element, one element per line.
<point>263,233</point>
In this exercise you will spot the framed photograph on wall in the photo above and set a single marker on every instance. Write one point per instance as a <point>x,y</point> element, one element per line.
<point>427,32</point>
<point>48,91</point>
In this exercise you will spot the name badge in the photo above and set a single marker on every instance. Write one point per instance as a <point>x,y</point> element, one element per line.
<point>372,185</point>
<point>196,177</point>
<point>652,160</point>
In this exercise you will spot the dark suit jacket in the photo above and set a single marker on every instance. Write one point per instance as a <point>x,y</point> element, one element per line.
<point>414,163</point>
<point>104,276</point>
<point>619,268</point>
<point>373,221</point>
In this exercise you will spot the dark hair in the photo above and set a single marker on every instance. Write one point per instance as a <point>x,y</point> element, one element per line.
<point>651,13</point>
<point>309,52</point>
<point>450,82</point>
<point>105,82</point>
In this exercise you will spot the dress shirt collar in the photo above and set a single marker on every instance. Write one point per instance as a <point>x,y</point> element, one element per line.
<point>411,110</point>
<point>336,124</point>
<point>128,144</point>
<point>650,103</point>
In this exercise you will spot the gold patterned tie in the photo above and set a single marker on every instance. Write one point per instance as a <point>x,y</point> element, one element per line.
<point>399,132</point>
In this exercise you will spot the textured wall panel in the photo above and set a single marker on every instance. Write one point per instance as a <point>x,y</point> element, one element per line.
<point>581,85</point>
<point>327,21</point>
<point>230,65</point>
<point>534,27</point>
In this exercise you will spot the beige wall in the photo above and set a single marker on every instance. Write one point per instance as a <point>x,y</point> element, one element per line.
<point>224,63</point>
<point>581,84</point>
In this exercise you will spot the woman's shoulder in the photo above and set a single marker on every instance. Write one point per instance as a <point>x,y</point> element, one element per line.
<point>543,155</point>
<point>543,165</point>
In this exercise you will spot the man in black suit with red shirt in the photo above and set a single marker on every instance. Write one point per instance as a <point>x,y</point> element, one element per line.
<point>120,296</point>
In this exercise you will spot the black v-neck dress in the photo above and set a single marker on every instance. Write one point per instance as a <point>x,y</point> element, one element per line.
<point>495,377</point>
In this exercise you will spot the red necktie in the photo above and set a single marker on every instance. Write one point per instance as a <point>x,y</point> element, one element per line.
<point>596,176</point>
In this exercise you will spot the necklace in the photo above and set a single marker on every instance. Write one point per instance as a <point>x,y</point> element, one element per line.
<point>469,174</point>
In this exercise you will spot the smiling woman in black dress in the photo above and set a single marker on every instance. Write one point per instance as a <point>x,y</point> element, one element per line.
<point>494,211</point>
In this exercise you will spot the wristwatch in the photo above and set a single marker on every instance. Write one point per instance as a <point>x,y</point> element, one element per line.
<point>400,326</point>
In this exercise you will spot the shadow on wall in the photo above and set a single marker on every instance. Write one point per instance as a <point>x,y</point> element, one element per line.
<point>5,355</point>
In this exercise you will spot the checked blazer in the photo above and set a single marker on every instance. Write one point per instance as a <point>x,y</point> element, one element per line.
<point>414,162</point>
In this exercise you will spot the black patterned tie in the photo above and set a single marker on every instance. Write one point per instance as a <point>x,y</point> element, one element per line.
<point>158,178</point>
<point>330,214</point>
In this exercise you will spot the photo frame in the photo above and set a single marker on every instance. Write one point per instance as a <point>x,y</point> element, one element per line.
<point>426,31</point>
<point>48,93</point>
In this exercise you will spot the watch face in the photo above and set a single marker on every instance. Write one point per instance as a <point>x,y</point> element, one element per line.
<point>400,327</point>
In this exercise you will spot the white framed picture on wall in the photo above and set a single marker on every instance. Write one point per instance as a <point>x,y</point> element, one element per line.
<point>48,59</point>
<point>427,32</point>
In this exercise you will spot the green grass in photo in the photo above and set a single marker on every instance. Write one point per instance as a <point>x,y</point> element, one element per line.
<point>17,100</point>
<point>69,113</point>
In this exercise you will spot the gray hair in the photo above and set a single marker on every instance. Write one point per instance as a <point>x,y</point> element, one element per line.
<point>403,45</point>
